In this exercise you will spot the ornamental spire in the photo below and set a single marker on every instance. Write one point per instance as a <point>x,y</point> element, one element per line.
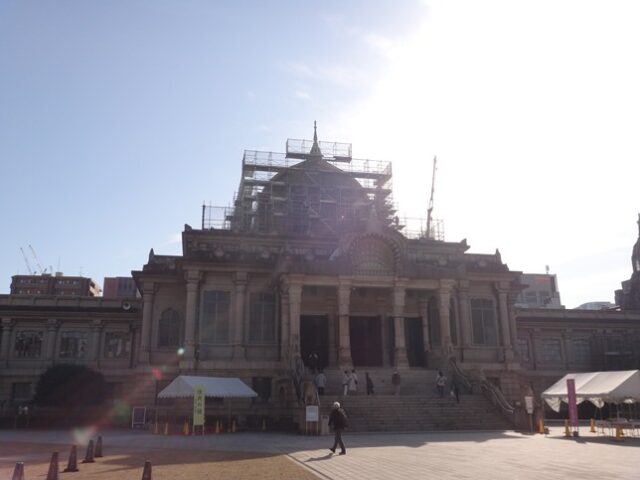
<point>315,148</point>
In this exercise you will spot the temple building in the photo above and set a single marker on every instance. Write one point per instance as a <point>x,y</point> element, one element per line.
<point>312,259</point>
<point>311,269</point>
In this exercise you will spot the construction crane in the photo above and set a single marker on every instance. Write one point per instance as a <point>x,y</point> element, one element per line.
<point>430,209</point>
<point>26,261</point>
<point>35,257</point>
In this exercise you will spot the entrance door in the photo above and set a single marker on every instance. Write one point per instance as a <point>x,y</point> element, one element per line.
<point>314,338</point>
<point>366,341</point>
<point>414,341</point>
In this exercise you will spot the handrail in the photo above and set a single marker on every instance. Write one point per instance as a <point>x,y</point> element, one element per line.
<point>497,397</point>
<point>460,375</point>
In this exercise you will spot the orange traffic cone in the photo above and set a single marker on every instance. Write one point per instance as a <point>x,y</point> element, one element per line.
<point>88,458</point>
<point>18,471</point>
<point>52,474</point>
<point>146,473</point>
<point>99,448</point>
<point>619,434</point>
<point>72,463</point>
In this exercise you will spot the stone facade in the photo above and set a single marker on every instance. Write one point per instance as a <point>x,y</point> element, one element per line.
<point>311,262</point>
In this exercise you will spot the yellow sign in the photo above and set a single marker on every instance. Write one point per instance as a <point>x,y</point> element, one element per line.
<point>198,405</point>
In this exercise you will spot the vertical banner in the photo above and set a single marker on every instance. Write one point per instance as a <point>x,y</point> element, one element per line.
<point>571,401</point>
<point>198,406</point>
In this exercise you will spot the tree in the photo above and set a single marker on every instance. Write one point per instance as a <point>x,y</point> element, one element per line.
<point>70,385</point>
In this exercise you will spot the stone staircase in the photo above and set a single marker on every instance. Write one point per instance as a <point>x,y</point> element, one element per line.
<point>417,408</point>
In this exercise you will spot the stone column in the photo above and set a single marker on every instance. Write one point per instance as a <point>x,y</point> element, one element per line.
<point>332,320</point>
<point>95,343</point>
<point>504,321</point>
<point>444,299</point>
<point>50,341</point>
<point>5,345</point>
<point>295,301</point>
<point>240,282</point>
<point>513,326</point>
<point>148,290</point>
<point>133,332</point>
<point>344,344</point>
<point>463,313</point>
<point>193,285</point>
<point>383,312</point>
<point>285,337</point>
<point>424,315</point>
<point>398,324</point>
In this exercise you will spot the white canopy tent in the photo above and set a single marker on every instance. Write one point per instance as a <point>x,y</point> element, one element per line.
<point>597,387</point>
<point>221,387</point>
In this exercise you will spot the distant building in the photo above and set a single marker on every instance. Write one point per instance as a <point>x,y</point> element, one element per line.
<point>58,284</point>
<point>628,298</point>
<point>541,291</point>
<point>120,287</point>
<point>596,306</point>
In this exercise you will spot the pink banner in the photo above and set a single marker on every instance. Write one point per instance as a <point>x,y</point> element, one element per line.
<point>571,401</point>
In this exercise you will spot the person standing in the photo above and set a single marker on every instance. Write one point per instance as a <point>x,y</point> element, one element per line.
<point>338,421</point>
<point>313,361</point>
<point>369,383</point>
<point>395,381</point>
<point>345,383</point>
<point>353,382</point>
<point>321,382</point>
<point>455,391</point>
<point>441,381</point>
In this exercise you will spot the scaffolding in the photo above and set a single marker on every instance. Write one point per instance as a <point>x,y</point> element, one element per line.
<point>314,189</point>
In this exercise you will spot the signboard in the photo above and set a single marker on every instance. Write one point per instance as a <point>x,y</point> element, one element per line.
<point>313,413</point>
<point>138,417</point>
<point>528,404</point>
<point>571,401</point>
<point>198,406</point>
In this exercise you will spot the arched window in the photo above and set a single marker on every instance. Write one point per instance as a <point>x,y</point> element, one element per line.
<point>170,329</point>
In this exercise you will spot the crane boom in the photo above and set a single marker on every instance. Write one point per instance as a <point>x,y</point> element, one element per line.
<point>26,261</point>
<point>430,209</point>
<point>35,257</point>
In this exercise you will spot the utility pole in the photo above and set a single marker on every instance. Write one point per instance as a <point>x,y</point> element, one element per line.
<point>430,209</point>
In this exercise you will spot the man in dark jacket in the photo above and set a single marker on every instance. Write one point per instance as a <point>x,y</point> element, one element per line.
<point>338,421</point>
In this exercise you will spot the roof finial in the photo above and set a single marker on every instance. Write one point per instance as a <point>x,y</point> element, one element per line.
<point>315,148</point>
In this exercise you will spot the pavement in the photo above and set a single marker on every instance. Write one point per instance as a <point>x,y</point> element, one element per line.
<point>443,455</point>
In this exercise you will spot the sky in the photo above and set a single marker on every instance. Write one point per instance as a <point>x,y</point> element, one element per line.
<point>119,119</point>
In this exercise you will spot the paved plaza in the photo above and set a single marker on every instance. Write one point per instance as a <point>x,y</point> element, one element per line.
<point>455,455</point>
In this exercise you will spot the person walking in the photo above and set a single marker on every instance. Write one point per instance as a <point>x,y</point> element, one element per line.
<point>338,421</point>
<point>321,382</point>
<point>441,381</point>
<point>345,383</point>
<point>369,383</point>
<point>353,382</point>
<point>455,391</point>
<point>395,381</point>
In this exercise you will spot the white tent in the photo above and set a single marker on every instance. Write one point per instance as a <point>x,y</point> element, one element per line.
<point>223,387</point>
<point>597,387</point>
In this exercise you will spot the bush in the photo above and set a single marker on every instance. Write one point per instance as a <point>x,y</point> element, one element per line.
<point>69,386</point>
